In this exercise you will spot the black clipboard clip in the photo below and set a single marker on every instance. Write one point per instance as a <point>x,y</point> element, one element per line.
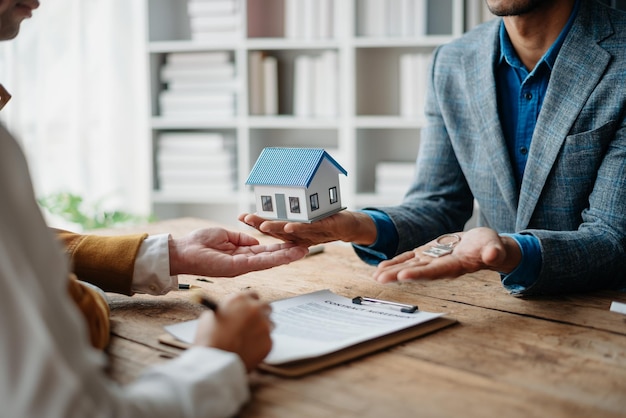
<point>359,300</point>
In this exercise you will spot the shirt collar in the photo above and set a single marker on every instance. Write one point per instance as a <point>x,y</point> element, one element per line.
<point>508,54</point>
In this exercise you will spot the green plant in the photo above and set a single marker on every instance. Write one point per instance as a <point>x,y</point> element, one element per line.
<point>72,208</point>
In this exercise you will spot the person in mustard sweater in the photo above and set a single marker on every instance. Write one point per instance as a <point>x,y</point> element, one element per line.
<point>142,263</point>
<point>49,365</point>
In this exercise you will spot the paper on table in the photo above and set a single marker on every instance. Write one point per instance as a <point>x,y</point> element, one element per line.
<point>321,322</point>
<point>618,307</point>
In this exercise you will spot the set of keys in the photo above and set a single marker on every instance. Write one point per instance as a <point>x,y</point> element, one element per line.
<point>443,246</point>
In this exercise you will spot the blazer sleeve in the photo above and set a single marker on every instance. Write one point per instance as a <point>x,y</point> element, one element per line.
<point>104,261</point>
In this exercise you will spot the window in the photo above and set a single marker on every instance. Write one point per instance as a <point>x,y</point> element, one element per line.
<point>332,195</point>
<point>266,203</point>
<point>294,205</point>
<point>315,203</point>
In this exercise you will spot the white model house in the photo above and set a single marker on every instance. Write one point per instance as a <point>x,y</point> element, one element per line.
<point>296,184</point>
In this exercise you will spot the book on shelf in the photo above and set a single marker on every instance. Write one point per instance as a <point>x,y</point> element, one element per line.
<point>418,10</point>
<point>255,80</point>
<point>170,162</point>
<point>371,18</point>
<point>393,177</point>
<point>201,58</point>
<point>200,72</point>
<point>216,38</point>
<point>476,12</point>
<point>206,190</point>
<point>217,20</point>
<point>393,18</point>
<point>316,85</point>
<point>395,170</point>
<point>195,103</point>
<point>293,19</point>
<point>198,84</point>
<point>186,142</point>
<point>196,98</point>
<point>215,23</point>
<point>322,329</point>
<point>326,19</point>
<point>185,182</point>
<point>326,84</point>
<point>204,86</point>
<point>187,161</point>
<point>201,175</point>
<point>303,86</point>
<point>309,19</point>
<point>171,72</point>
<point>263,79</point>
<point>413,82</point>
<point>270,85</point>
<point>211,7</point>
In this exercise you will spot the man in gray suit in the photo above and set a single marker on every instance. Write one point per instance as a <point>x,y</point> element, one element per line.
<point>527,115</point>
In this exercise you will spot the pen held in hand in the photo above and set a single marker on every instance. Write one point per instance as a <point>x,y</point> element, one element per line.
<point>202,299</point>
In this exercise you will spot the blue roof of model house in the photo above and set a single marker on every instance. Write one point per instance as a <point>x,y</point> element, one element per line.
<point>289,166</point>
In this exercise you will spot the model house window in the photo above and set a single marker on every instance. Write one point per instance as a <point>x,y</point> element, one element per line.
<point>315,203</point>
<point>332,194</point>
<point>294,205</point>
<point>266,203</point>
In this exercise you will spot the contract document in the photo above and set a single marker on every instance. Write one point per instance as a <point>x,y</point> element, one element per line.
<point>317,325</point>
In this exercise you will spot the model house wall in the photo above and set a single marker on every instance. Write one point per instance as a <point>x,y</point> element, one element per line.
<point>296,184</point>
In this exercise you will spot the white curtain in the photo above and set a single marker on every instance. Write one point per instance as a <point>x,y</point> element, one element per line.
<point>78,75</point>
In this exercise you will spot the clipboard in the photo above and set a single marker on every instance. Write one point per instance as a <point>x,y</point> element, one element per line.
<point>309,364</point>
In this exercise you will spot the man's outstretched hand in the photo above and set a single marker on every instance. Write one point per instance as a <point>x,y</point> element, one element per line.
<point>479,249</point>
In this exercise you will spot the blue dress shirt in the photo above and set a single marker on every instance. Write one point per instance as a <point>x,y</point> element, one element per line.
<point>520,97</point>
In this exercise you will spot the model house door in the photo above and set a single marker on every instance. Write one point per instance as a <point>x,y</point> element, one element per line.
<point>281,207</point>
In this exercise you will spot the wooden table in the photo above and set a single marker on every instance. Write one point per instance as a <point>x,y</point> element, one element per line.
<point>507,357</point>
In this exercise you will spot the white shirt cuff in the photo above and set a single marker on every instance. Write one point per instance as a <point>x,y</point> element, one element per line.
<point>151,274</point>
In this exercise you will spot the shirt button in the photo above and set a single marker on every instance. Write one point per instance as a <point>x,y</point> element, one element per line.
<point>523,150</point>
<point>528,96</point>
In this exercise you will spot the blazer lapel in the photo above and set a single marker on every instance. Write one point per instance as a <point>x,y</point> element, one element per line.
<point>577,70</point>
<point>481,88</point>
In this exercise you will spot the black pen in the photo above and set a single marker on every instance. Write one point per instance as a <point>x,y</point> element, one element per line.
<point>204,300</point>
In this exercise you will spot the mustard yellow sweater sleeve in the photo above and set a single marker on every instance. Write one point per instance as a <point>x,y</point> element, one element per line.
<point>95,311</point>
<point>104,261</point>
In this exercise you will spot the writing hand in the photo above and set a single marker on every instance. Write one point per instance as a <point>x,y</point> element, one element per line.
<point>240,325</point>
<point>219,252</point>
<point>479,249</point>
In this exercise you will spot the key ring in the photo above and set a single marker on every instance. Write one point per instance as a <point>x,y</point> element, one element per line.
<point>442,247</point>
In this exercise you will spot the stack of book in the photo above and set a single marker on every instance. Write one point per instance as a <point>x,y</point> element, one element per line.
<point>383,18</point>
<point>196,162</point>
<point>316,85</point>
<point>214,20</point>
<point>198,85</point>
<point>309,19</point>
<point>393,178</point>
<point>413,82</point>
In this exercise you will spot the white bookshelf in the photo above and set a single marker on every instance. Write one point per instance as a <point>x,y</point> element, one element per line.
<point>368,127</point>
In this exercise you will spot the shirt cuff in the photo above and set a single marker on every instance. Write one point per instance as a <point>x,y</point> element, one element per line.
<point>386,239</point>
<point>151,274</point>
<point>527,272</point>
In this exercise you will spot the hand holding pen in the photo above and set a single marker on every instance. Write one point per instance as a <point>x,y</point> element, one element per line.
<point>239,324</point>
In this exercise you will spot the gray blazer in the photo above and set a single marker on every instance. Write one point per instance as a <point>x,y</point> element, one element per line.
<point>573,196</point>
